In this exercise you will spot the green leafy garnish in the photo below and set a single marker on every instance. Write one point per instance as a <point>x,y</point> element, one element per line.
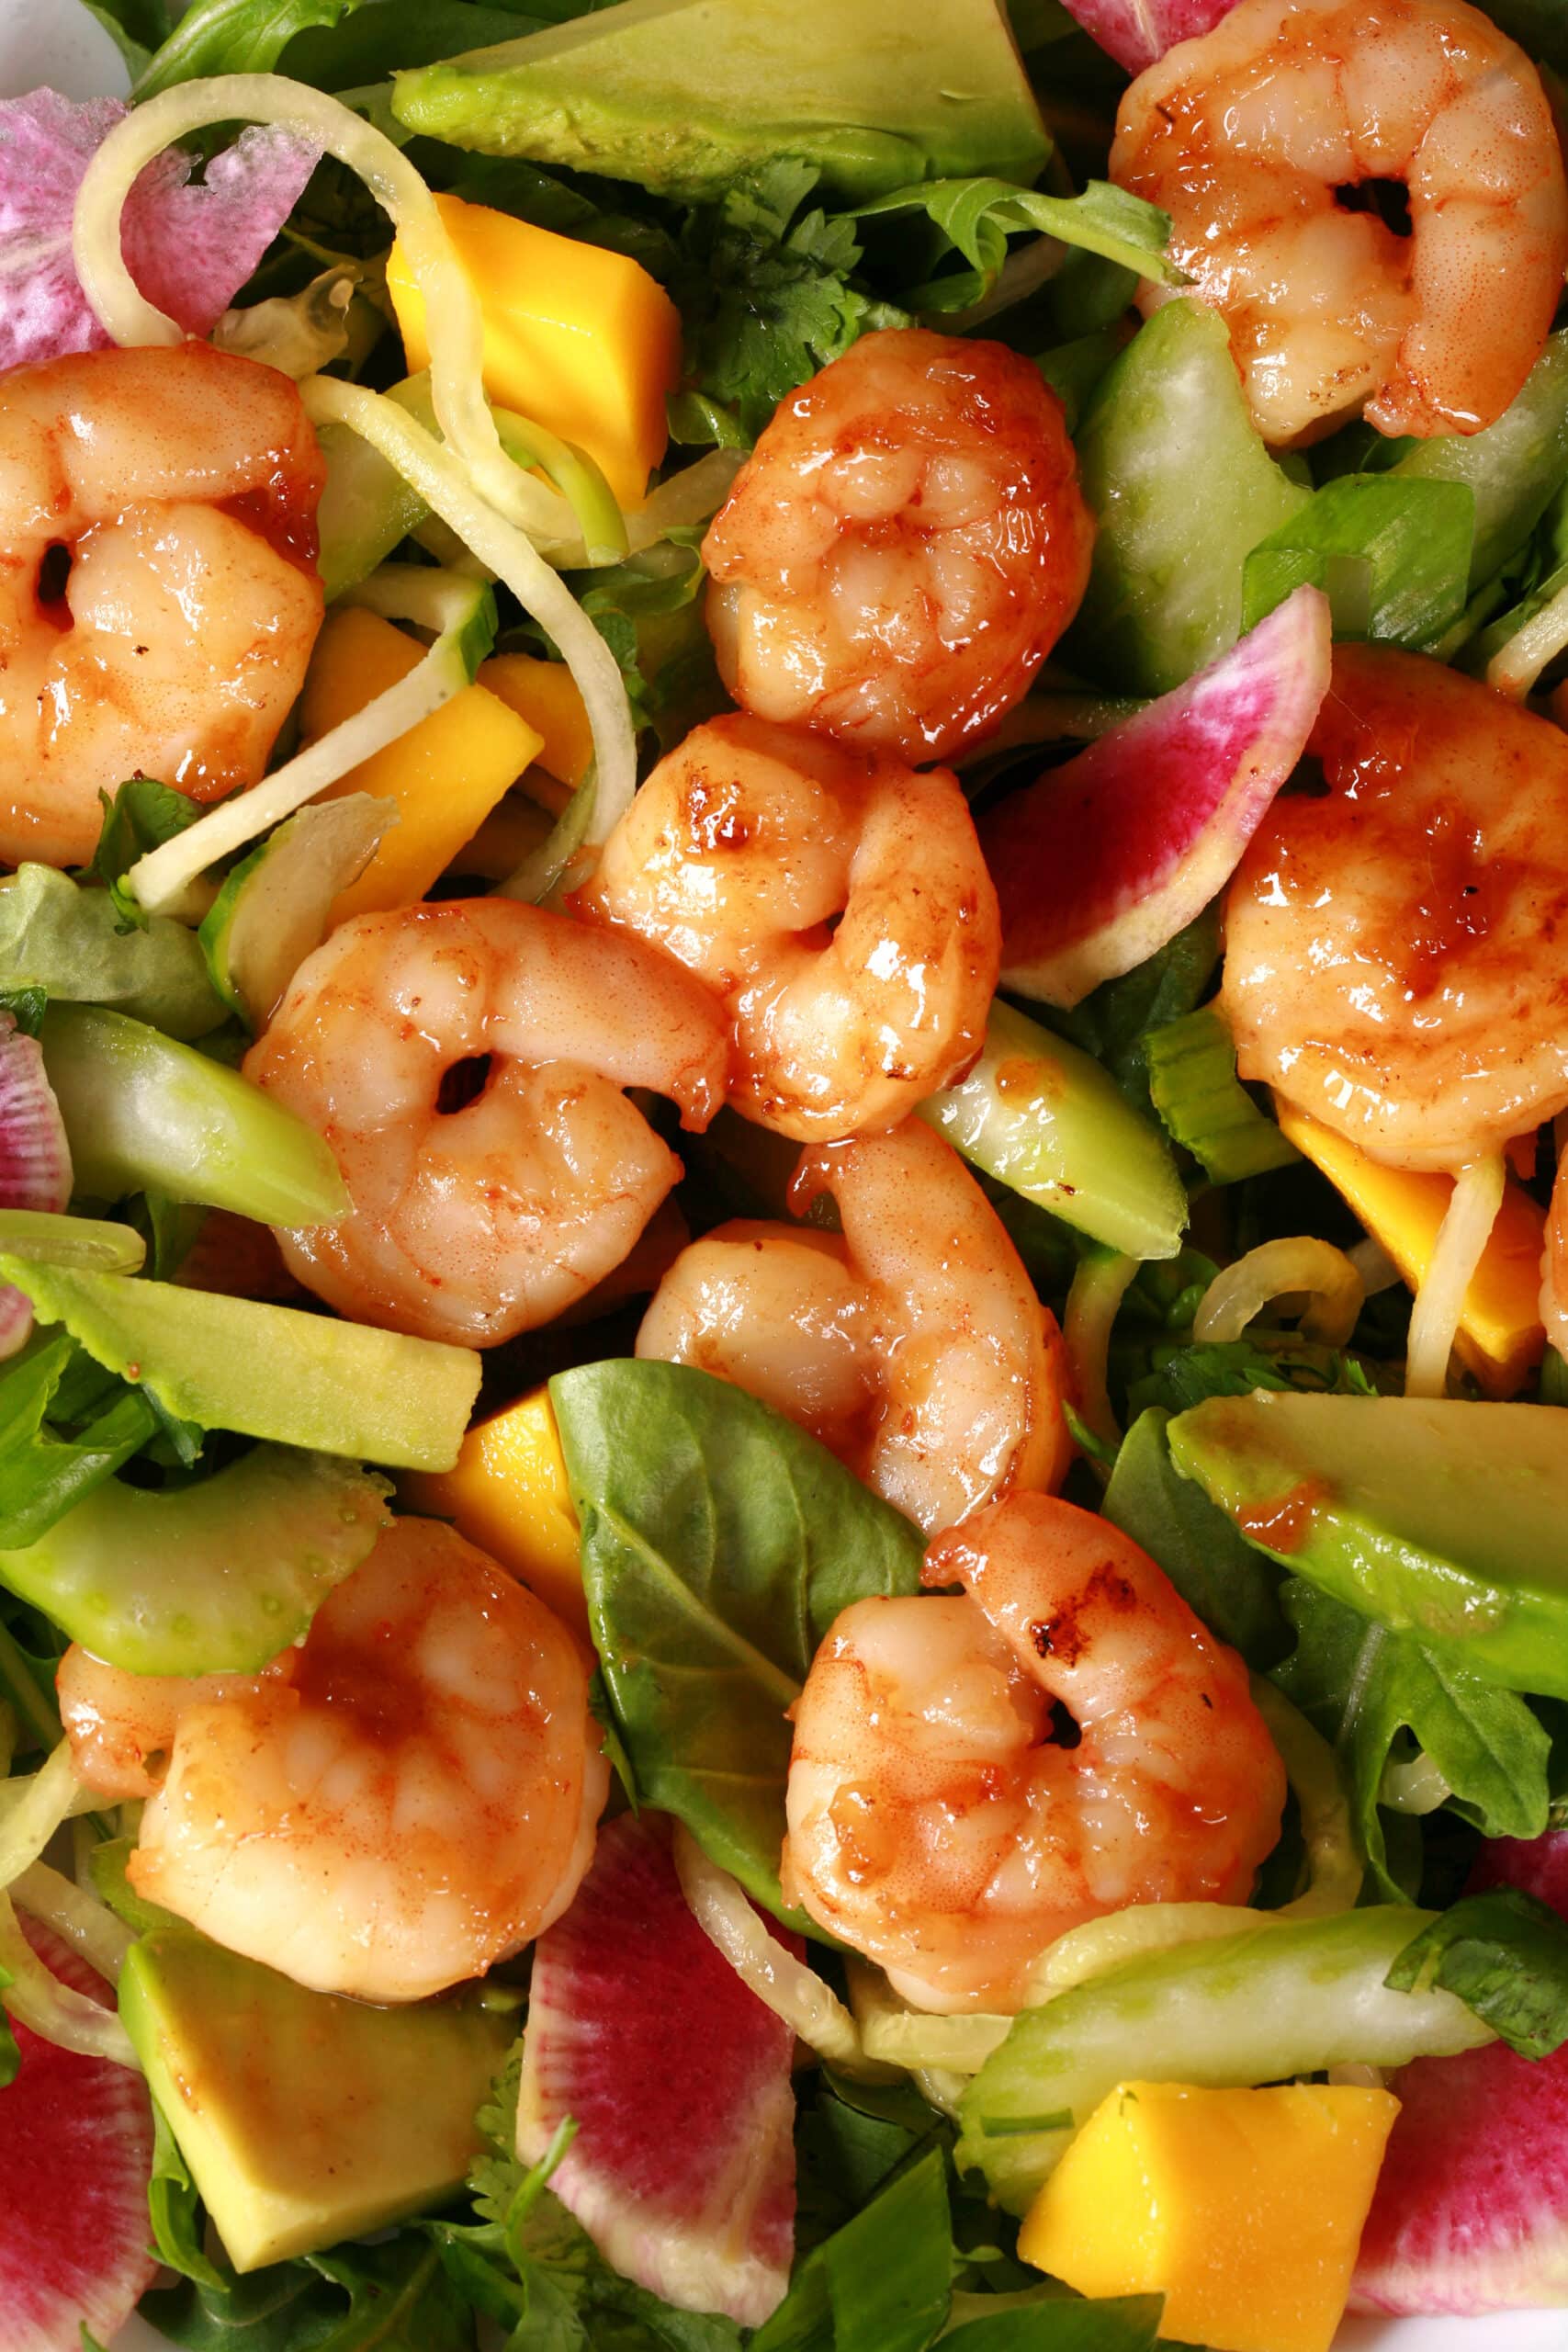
<point>1392,554</point>
<point>1505,1956</point>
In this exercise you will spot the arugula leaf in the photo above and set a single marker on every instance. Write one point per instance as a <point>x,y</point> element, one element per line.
<point>883,2282</point>
<point>977,216</point>
<point>720,1543</point>
<point>1392,553</point>
<point>399,2298</point>
<point>1115,1019</point>
<point>175,2208</point>
<point>1048,2321</point>
<point>135,53</point>
<point>62,941</point>
<point>232,37</point>
<point>1505,1954</point>
<point>1225,1580</point>
<point>1361,1685</point>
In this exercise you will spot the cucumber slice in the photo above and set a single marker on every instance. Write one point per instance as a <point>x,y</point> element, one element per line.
<point>273,908</point>
<point>212,1578</point>
<point>367,509</point>
<point>145,1113</point>
<point>267,1371</point>
<point>1045,1119</point>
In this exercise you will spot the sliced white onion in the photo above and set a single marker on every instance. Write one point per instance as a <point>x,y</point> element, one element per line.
<point>686,499</point>
<point>1439,1302</point>
<point>1414,1787</point>
<point>1098,1289</point>
<point>1377,1269</point>
<point>1280,1270</point>
<point>36,1997</point>
<point>89,1925</point>
<point>784,1985</point>
<point>507,552</point>
<point>32,1810</point>
<point>454,323</point>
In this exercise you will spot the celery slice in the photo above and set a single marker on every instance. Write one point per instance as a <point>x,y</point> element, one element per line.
<point>1192,1080</point>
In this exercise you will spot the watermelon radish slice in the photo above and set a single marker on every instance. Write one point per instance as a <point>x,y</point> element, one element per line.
<point>75,2158</point>
<point>683,2170</point>
<point>1472,2207</point>
<point>1135,32</point>
<point>1102,862</point>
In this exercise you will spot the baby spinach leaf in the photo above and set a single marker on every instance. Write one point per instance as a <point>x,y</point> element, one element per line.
<point>393,2297</point>
<point>1505,1954</point>
<point>720,1543</point>
<point>1115,1021</point>
<point>232,37</point>
<point>1360,1685</point>
<point>1392,553</point>
<point>173,2209</point>
<point>1225,1580</point>
<point>880,2284</point>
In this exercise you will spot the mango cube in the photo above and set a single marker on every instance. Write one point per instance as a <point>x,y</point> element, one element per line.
<point>445,775</point>
<point>576,338</point>
<point>1242,2208</point>
<point>509,1495</point>
<point>547,694</point>
<point>1500,1335</point>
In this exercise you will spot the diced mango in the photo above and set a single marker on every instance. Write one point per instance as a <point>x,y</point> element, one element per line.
<point>1242,2208</point>
<point>545,694</point>
<point>509,1495</point>
<point>446,774</point>
<point>1500,1335</point>
<point>577,338</point>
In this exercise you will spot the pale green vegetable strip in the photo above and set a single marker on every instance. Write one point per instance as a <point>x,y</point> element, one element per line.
<point>34,1810</point>
<point>57,2011</point>
<point>89,1925</point>
<point>58,1241</point>
<point>1461,1242</point>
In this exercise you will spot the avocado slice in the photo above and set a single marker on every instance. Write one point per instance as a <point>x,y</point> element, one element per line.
<point>304,2118</point>
<point>1432,1516</point>
<point>684,95</point>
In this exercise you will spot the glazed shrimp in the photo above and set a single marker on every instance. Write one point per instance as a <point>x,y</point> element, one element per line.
<point>1392,961</point>
<point>912,1343</point>
<point>939,1824</point>
<point>1256,140</point>
<point>903,548</point>
<point>465,1062</point>
<point>739,855</point>
<point>393,1807</point>
<point>122,1726</point>
<point>158,591</point>
<point>1555,1271</point>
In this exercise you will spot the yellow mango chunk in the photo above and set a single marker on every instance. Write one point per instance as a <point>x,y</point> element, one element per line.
<point>446,774</point>
<point>545,695</point>
<point>1242,2208</point>
<point>508,1494</point>
<point>1500,1335</point>
<point>579,340</point>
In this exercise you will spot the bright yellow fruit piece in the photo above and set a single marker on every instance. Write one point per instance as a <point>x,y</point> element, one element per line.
<point>446,774</point>
<point>579,340</point>
<point>545,694</point>
<point>1242,2208</point>
<point>1500,1335</point>
<point>508,1494</point>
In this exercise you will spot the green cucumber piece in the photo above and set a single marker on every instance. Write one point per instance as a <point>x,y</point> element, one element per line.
<point>1515,467</point>
<point>1430,1515</point>
<point>367,509</point>
<point>273,908</point>
<point>1204,1104</point>
<point>1043,1117</point>
<point>1182,490</point>
<point>267,1371</point>
<point>210,1578</point>
<point>1268,2003</point>
<point>145,1113</point>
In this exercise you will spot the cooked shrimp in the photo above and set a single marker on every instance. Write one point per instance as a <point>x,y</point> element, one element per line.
<point>912,1343</point>
<point>1554,1272</point>
<point>122,1726</point>
<point>158,591</point>
<point>939,1820</point>
<point>839,907</point>
<point>410,1796</point>
<point>1392,959</point>
<point>1268,142</point>
<point>465,1062</point>
<point>904,546</point>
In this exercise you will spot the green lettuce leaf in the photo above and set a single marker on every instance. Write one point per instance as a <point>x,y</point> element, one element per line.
<point>1392,555</point>
<point>68,942</point>
<point>1505,1956</point>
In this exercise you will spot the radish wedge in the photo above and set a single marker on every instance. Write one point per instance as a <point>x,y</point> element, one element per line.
<point>1136,32</point>
<point>678,2078</point>
<point>75,2158</point>
<point>1470,2212</point>
<point>1102,862</point>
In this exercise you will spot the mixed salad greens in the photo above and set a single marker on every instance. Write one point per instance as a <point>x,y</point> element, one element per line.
<point>188,1466</point>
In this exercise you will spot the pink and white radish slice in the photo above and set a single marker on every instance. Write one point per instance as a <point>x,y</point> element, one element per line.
<point>75,2158</point>
<point>1136,32</point>
<point>1102,862</point>
<point>35,1159</point>
<point>678,2078</point>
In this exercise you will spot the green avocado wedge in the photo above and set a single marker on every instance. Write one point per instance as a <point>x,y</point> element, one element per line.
<point>304,2118</point>
<point>685,94</point>
<point>1435,1516</point>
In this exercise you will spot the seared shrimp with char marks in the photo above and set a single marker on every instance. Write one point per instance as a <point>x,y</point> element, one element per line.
<point>912,1343</point>
<point>1268,142</point>
<point>903,548</point>
<point>940,1822</point>
<point>1393,946</point>
<point>158,591</point>
<point>390,1809</point>
<point>465,1061</point>
<point>839,907</point>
